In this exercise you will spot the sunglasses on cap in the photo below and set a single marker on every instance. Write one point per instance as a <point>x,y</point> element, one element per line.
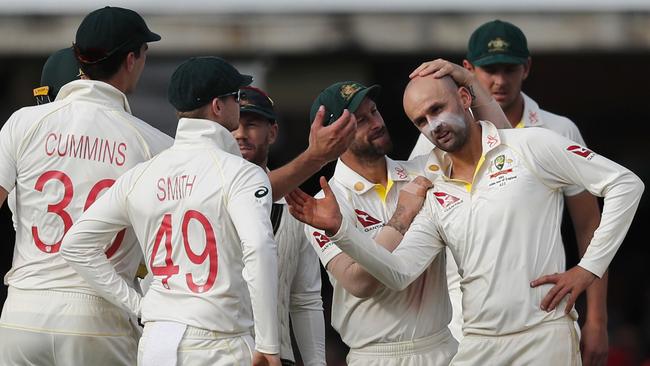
<point>236,94</point>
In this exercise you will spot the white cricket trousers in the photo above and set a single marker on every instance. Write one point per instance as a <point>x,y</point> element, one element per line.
<point>204,347</point>
<point>434,350</point>
<point>65,328</point>
<point>551,343</point>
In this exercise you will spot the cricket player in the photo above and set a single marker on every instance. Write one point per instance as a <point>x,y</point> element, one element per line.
<point>509,254</point>
<point>382,326</point>
<point>60,68</point>
<point>59,157</point>
<point>201,214</point>
<point>498,55</point>
<point>299,281</point>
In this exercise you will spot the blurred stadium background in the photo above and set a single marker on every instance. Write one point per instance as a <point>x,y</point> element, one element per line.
<point>591,62</point>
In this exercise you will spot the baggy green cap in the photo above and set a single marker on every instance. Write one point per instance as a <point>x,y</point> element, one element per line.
<point>108,30</point>
<point>255,100</point>
<point>198,80</point>
<point>497,42</point>
<point>342,95</point>
<point>59,69</point>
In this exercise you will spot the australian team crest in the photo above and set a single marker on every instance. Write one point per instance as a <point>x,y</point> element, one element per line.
<point>499,161</point>
<point>501,170</point>
<point>348,90</point>
<point>498,45</point>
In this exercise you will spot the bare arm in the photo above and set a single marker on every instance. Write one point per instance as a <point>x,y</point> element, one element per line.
<point>585,216</point>
<point>326,143</point>
<point>484,107</point>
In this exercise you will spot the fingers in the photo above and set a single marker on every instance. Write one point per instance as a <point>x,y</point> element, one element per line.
<point>423,182</point>
<point>544,280</point>
<point>318,119</point>
<point>293,210</point>
<point>573,296</point>
<point>557,297</point>
<point>419,70</point>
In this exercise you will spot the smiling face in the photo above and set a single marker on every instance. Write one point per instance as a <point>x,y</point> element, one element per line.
<point>254,136</point>
<point>437,108</point>
<point>371,139</point>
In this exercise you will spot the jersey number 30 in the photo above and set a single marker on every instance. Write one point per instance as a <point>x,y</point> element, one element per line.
<point>59,209</point>
<point>170,269</point>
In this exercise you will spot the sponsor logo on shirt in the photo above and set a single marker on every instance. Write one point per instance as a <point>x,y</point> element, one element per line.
<point>492,140</point>
<point>532,117</point>
<point>401,173</point>
<point>581,151</point>
<point>369,223</point>
<point>321,239</point>
<point>261,192</point>
<point>446,200</point>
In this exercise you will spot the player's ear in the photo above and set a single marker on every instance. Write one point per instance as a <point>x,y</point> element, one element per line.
<point>468,65</point>
<point>273,132</point>
<point>527,67</point>
<point>465,97</point>
<point>129,61</point>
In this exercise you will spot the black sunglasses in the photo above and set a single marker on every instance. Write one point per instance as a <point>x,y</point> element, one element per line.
<point>236,94</point>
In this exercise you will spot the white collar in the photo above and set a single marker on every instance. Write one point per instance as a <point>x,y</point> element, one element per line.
<point>96,91</point>
<point>532,116</point>
<point>360,185</point>
<point>194,131</point>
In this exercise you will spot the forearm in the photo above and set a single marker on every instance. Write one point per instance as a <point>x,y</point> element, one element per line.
<point>394,271</point>
<point>621,202</point>
<point>260,273</point>
<point>585,214</point>
<point>352,277</point>
<point>485,108</point>
<point>80,249</point>
<point>309,330</point>
<point>288,177</point>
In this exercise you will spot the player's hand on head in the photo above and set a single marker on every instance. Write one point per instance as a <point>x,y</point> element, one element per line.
<point>327,143</point>
<point>594,343</point>
<point>440,68</point>
<point>572,283</point>
<point>265,359</point>
<point>323,214</point>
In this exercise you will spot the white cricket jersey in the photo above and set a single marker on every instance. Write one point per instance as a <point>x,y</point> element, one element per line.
<point>58,158</point>
<point>299,292</point>
<point>417,311</point>
<point>201,214</point>
<point>504,227</point>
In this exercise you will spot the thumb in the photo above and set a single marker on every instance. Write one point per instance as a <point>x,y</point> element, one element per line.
<point>326,187</point>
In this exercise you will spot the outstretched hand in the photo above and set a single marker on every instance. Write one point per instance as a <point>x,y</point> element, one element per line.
<point>572,282</point>
<point>327,143</point>
<point>440,68</point>
<point>323,214</point>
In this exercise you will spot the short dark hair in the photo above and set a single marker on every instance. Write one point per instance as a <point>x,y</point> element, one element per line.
<point>200,112</point>
<point>105,69</point>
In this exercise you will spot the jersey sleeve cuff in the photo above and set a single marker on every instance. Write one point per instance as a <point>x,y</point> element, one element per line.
<point>593,267</point>
<point>269,350</point>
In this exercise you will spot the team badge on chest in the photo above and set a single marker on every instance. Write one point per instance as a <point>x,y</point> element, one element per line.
<point>501,171</point>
